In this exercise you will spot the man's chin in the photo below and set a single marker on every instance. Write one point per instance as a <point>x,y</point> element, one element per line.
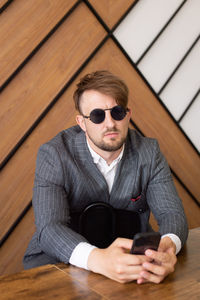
<point>112,146</point>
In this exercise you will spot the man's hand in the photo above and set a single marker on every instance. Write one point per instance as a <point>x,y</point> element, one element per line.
<point>116,262</point>
<point>163,262</point>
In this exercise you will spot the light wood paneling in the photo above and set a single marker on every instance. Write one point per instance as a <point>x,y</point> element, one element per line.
<point>12,252</point>
<point>192,210</point>
<point>52,67</point>
<point>111,10</point>
<point>22,26</point>
<point>16,196</point>
<point>43,77</point>
<point>2,3</point>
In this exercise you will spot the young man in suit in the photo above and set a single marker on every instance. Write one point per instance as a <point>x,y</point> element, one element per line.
<point>102,160</point>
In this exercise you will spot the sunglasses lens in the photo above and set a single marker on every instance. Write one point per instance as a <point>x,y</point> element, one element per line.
<point>97,116</point>
<point>118,113</point>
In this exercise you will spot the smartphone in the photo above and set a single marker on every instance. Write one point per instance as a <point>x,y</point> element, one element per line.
<point>144,241</point>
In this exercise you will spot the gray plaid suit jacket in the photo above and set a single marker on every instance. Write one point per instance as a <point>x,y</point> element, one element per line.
<point>67,180</point>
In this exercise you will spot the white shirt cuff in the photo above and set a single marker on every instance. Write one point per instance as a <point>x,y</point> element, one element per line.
<point>174,239</point>
<point>80,254</point>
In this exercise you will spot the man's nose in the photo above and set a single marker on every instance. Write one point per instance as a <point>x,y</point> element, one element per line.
<point>109,122</point>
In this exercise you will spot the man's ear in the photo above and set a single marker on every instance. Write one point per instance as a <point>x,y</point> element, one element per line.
<point>129,113</point>
<point>81,122</point>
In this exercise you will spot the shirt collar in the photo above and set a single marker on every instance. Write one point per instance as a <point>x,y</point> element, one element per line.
<point>98,159</point>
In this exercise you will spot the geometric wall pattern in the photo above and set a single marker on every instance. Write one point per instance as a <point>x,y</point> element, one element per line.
<point>46,46</point>
<point>167,53</point>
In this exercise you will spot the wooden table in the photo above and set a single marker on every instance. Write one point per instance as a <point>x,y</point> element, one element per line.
<point>68,282</point>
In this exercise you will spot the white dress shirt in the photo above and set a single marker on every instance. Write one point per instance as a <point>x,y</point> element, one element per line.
<point>80,254</point>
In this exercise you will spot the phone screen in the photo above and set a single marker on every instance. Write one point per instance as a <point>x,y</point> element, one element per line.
<point>144,241</point>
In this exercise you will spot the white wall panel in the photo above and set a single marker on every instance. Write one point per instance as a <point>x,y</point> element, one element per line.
<point>143,23</point>
<point>191,123</point>
<point>137,31</point>
<point>184,84</point>
<point>166,53</point>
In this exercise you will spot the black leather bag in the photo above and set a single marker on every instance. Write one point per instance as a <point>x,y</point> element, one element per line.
<point>101,224</point>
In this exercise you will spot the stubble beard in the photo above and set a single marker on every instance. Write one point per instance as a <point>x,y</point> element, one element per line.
<point>106,146</point>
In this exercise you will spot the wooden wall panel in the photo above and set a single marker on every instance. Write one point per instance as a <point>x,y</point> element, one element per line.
<point>111,10</point>
<point>52,69</point>
<point>42,78</point>
<point>2,3</point>
<point>32,21</point>
<point>12,252</point>
<point>62,116</point>
<point>61,60</point>
<point>192,210</point>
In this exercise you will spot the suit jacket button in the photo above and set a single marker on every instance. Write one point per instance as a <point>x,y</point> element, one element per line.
<point>140,210</point>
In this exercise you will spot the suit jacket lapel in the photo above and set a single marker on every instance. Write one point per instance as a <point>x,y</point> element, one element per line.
<point>125,177</point>
<point>85,161</point>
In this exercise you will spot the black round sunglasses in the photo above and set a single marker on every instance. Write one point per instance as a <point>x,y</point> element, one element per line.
<point>98,115</point>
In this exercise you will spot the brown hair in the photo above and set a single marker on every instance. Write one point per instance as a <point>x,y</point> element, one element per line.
<point>105,83</point>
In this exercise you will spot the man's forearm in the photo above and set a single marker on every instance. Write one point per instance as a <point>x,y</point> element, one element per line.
<point>59,241</point>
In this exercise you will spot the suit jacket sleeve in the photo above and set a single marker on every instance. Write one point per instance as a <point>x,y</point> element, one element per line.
<point>163,199</point>
<point>51,208</point>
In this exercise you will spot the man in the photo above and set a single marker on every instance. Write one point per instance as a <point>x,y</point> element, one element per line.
<point>103,160</point>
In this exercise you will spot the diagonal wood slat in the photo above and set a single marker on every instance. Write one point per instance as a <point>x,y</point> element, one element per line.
<point>2,3</point>
<point>16,196</point>
<point>22,26</point>
<point>41,79</point>
<point>12,252</point>
<point>111,10</point>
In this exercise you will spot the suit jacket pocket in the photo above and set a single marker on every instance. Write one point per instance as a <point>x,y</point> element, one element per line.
<point>138,203</point>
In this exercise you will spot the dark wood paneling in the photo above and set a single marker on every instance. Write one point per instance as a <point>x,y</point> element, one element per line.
<point>22,26</point>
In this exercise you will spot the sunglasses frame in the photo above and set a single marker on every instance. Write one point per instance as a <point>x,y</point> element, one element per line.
<point>89,117</point>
